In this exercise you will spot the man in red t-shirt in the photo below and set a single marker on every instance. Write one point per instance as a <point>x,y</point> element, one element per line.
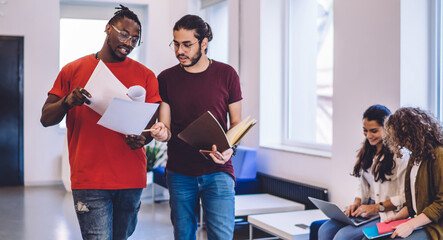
<point>108,169</point>
<point>189,89</point>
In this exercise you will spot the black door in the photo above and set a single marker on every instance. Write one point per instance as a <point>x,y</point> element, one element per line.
<point>11,111</point>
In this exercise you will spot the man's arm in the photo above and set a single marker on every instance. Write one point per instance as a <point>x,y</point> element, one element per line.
<point>162,132</point>
<point>53,110</point>
<point>234,114</point>
<point>55,107</point>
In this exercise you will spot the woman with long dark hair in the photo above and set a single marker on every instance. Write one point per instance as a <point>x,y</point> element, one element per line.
<point>381,180</point>
<point>421,134</point>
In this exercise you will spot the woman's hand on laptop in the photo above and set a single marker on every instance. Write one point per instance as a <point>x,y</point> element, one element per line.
<point>365,210</point>
<point>351,209</point>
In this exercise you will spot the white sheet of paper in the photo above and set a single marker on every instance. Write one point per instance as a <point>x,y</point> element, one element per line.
<point>127,117</point>
<point>103,87</point>
<point>137,93</point>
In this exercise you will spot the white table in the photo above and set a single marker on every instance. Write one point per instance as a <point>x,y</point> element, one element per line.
<point>263,203</point>
<point>248,204</point>
<point>286,225</point>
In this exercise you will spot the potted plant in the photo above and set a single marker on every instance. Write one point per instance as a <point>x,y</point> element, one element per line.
<point>155,156</point>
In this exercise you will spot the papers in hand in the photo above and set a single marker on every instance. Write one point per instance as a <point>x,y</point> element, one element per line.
<point>128,117</point>
<point>123,110</point>
<point>103,87</point>
<point>206,131</point>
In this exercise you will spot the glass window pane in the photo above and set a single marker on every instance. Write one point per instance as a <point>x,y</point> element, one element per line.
<point>80,37</point>
<point>439,61</point>
<point>217,17</point>
<point>310,72</point>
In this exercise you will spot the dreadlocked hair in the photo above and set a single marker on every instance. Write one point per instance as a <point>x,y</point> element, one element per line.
<point>384,161</point>
<point>123,12</point>
<point>416,130</point>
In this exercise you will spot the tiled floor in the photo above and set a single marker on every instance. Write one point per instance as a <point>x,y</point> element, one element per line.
<point>47,213</point>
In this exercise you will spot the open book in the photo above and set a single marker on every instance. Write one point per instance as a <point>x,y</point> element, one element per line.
<point>206,131</point>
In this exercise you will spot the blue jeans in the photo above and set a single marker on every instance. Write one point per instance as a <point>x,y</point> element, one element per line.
<point>216,192</point>
<point>341,231</point>
<point>107,214</point>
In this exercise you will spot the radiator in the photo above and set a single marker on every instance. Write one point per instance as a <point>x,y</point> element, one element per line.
<point>295,191</point>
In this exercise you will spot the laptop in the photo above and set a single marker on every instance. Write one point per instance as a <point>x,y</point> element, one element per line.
<point>334,212</point>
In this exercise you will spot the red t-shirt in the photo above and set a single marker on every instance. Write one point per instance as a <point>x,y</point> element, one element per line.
<point>99,157</point>
<point>189,95</point>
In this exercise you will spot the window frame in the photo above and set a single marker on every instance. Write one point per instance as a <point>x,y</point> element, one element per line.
<point>438,61</point>
<point>316,148</point>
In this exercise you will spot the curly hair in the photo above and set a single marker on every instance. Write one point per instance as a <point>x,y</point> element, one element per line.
<point>384,163</point>
<point>416,130</point>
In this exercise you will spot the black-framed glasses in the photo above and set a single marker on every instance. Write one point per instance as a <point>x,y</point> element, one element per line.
<point>185,46</point>
<point>123,36</point>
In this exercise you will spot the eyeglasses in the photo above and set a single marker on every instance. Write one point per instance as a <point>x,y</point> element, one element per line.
<point>123,36</point>
<point>186,46</point>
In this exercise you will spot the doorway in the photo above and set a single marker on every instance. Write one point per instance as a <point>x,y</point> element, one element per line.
<point>11,111</point>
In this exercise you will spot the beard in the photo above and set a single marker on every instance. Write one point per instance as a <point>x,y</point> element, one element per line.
<point>194,59</point>
<point>114,55</point>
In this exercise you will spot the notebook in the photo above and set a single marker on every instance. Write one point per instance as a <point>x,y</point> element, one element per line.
<point>383,229</point>
<point>372,233</point>
<point>334,212</point>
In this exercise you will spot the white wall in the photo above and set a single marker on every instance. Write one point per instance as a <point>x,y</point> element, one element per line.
<point>366,72</point>
<point>38,22</point>
<point>42,147</point>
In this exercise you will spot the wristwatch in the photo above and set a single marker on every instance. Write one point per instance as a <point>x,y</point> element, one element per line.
<point>234,148</point>
<point>381,208</point>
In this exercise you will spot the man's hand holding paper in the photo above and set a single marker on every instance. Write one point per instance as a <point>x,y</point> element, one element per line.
<point>123,110</point>
<point>104,87</point>
<point>135,141</point>
<point>160,132</point>
<point>77,97</point>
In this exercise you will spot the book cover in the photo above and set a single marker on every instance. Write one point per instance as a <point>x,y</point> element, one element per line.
<point>383,229</point>
<point>389,227</point>
<point>372,233</point>
<point>205,131</point>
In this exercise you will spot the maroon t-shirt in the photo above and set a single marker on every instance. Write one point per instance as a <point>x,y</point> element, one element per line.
<point>189,95</point>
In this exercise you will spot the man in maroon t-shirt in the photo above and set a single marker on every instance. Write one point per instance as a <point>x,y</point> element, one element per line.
<point>189,89</point>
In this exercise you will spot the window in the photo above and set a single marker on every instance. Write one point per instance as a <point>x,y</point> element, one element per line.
<point>438,61</point>
<point>80,37</point>
<point>309,69</point>
<point>82,30</point>
<point>215,13</point>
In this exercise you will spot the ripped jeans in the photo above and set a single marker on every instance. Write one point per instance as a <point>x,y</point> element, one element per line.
<point>107,214</point>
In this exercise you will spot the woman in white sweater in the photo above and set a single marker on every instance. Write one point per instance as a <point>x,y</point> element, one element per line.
<point>381,180</point>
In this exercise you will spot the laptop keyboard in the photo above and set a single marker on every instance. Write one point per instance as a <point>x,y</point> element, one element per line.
<point>359,219</point>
